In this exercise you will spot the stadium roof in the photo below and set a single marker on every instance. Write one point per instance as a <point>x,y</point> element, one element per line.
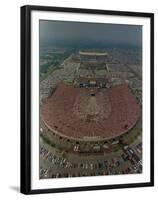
<point>93,53</point>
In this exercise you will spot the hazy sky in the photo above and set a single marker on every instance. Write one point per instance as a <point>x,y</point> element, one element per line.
<point>110,33</point>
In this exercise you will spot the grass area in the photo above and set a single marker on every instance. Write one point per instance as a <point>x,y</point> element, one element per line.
<point>134,72</point>
<point>47,141</point>
<point>53,64</point>
<point>132,136</point>
<point>50,70</point>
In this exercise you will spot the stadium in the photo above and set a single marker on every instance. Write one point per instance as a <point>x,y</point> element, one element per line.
<point>92,114</point>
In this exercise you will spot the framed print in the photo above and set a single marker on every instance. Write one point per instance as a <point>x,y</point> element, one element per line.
<point>87,99</point>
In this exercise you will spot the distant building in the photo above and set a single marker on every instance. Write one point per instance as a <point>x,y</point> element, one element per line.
<point>93,58</point>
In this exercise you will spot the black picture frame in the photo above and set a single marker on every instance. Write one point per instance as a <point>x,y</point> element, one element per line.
<point>26,98</point>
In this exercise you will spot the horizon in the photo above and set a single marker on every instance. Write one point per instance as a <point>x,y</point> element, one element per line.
<point>80,34</point>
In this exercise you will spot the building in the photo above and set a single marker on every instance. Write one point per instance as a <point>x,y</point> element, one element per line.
<point>93,58</point>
